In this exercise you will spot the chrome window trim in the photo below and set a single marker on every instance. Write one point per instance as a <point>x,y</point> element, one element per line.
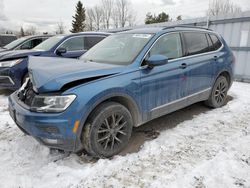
<point>181,99</point>
<point>30,40</point>
<point>185,57</point>
<point>10,79</point>
<point>104,36</point>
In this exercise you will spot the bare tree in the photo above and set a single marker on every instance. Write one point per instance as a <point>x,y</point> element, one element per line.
<point>107,6</point>
<point>131,19</point>
<point>115,16</point>
<point>97,15</point>
<point>124,11</point>
<point>60,28</point>
<point>223,7</point>
<point>31,31</point>
<point>90,19</point>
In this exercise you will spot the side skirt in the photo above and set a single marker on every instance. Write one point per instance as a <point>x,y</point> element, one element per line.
<point>180,103</point>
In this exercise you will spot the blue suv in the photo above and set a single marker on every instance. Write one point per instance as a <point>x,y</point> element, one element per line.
<point>126,80</point>
<point>13,64</point>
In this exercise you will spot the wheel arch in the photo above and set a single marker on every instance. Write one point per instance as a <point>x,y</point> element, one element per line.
<point>226,74</point>
<point>122,99</point>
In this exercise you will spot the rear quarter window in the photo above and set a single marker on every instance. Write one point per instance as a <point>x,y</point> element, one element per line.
<point>216,42</point>
<point>195,43</point>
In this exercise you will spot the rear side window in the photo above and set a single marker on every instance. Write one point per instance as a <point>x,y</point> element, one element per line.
<point>35,42</point>
<point>73,44</point>
<point>26,45</point>
<point>168,45</point>
<point>89,42</point>
<point>216,42</point>
<point>196,43</point>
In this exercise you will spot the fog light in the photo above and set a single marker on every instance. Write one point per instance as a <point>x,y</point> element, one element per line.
<point>51,141</point>
<point>50,130</point>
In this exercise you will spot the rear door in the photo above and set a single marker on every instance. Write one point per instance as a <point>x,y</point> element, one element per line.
<point>200,62</point>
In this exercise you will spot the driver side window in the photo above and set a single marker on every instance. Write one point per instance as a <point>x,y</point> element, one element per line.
<point>73,44</point>
<point>168,45</point>
<point>25,46</point>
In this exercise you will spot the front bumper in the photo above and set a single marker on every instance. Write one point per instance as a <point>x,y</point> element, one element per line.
<point>51,129</point>
<point>8,80</point>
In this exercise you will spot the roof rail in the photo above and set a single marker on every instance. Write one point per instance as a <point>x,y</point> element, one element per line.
<point>186,26</point>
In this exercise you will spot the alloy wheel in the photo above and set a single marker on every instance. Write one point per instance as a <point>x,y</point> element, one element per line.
<point>112,132</point>
<point>220,93</point>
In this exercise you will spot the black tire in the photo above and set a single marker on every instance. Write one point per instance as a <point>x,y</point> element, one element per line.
<point>218,94</point>
<point>108,130</point>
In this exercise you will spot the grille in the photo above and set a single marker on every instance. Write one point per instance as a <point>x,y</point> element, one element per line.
<point>6,80</point>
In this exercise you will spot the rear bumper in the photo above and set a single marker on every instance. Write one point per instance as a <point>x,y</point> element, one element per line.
<point>49,129</point>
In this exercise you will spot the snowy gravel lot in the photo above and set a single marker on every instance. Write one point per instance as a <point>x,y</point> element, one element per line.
<point>210,148</point>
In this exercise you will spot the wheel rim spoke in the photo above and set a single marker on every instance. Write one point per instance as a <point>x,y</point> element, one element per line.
<point>121,126</point>
<point>103,131</point>
<point>121,132</point>
<point>113,142</point>
<point>106,143</point>
<point>116,138</point>
<point>118,121</point>
<point>107,123</point>
<point>113,120</point>
<point>104,138</point>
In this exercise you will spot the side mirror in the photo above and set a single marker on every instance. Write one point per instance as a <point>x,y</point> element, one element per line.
<point>61,51</point>
<point>156,60</point>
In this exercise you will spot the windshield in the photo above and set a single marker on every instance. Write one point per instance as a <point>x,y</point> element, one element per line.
<point>49,43</point>
<point>120,49</point>
<point>15,43</point>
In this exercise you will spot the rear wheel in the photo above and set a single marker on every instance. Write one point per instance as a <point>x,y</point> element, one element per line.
<point>219,93</point>
<point>108,130</point>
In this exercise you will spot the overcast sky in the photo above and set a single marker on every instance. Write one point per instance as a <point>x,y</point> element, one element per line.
<point>45,14</point>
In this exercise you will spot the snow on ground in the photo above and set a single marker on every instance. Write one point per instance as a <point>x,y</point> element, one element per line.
<point>210,150</point>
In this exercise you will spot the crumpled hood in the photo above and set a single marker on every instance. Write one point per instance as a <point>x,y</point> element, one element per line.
<point>15,54</point>
<point>51,74</point>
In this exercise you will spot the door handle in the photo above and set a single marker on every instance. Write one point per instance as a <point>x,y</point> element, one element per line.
<point>215,57</point>
<point>183,66</point>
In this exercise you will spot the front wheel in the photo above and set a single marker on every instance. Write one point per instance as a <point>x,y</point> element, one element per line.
<point>218,95</point>
<point>108,130</point>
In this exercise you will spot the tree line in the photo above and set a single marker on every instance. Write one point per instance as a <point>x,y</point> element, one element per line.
<point>119,13</point>
<point>108,14</point>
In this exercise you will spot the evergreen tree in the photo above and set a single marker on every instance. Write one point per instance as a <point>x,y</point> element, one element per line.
<point>22,34</point>
<point>78,23</point>
<point>162,17</point>
<point>150,18</point>
<point>179,17</point>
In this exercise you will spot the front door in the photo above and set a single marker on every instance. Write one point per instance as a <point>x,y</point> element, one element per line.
<point>74,47</point>
<point>163,85</point>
